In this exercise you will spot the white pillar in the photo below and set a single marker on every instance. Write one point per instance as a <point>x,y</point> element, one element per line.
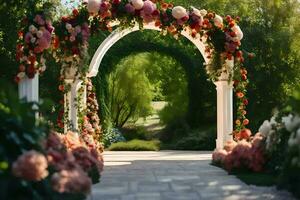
<point>71,104</point>
<point>225,113</point>
<point>224,106</point>
<point>29,89</point>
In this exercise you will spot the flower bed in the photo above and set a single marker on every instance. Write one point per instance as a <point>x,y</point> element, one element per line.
<point>36,163</point>
<point>275,149</point>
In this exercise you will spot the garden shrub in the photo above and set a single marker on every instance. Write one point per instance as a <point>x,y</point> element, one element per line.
<point>176,129</point>
<point>111,136</point>
<point>136,145</point>
<point>197,140</point>
<point>132,133</point>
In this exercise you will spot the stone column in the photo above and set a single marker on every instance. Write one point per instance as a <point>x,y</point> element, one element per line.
<point>224,107</point>
<point>71,100</point>
<point>29,89</point>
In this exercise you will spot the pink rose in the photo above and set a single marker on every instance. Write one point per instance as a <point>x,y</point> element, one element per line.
<point>129,8</point>
<point>149,7</point>
<point>28,37</point>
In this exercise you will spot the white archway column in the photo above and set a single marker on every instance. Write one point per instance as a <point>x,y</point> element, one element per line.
<point>224,107</point>
<point>225,113</point>
<point>72,103</point>
<point>29,89</point>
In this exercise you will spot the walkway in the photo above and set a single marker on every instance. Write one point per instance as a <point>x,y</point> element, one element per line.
<point>172,175</point>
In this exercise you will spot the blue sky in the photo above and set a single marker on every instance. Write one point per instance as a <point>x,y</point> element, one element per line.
<point>70,3</point>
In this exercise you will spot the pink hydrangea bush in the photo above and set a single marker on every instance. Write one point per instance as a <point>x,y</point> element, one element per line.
<point>71,181</point>
<point>69,159</point>
<point>242,155</point>
<point>31,166</point>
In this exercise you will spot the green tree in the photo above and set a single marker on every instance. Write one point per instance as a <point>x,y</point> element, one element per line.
<point>130,91</point>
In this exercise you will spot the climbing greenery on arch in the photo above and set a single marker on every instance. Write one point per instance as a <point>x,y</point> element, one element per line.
<point>69,42</point>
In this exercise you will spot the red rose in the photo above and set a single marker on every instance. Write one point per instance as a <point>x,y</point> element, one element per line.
<point>245,134</point>
<point>229,56</point>
<point>240,95</point>
<point>244,77</point>
<point>17,79</point>
<point>246,122</point>
<point>245,102</point>
<point>155,12</point>
<point>210,15</point>
<point>232,34</point>
<point>32,59</point>
<point>157,23</point>
<point>228,18</point>
<point>251,55</point>
<point>64,18</point>
<point>20,34</point>
<point>22,68</point>
<point>61,88</point>
<point>239,54</point>
<point>231,24</point>
<point>185,18</point>
<point>116,1</point>
<point>75,12</point>
<point>235,83</point>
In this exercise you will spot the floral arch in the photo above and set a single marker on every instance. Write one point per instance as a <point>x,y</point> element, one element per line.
<point>217,38</point>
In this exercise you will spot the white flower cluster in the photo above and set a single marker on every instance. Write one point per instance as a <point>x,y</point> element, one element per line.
<point>268,131</point>
<point>292,124</point>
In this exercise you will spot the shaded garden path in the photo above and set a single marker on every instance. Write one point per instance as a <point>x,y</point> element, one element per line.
<point>172,175</point>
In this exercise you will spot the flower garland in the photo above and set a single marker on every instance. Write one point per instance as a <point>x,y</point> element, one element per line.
<point>92,119</point>
<point>34,39</point>
<point>71,42</point>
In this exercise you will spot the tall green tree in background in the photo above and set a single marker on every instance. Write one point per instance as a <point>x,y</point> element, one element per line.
<point>130,91</point>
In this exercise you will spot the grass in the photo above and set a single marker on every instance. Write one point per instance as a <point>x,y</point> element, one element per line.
<point>136,145</point>
<point>258,179</point>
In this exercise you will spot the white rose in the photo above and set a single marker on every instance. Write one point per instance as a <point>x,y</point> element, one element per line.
<point>265,128</point>
<point>218,21</point>
<point>32,40</point>
<point>203,12</point>
<point>238,32</point>
<point>32,29</point>
<point>78,29</point>
<point>90,88</point>
<point>21,75</point>
<point>298,136</point>
<point>179,12</point>
<point>137,4</point>
<point>93,6</point>
<point>291,122</point>
<point>196,12</point>
<point>24,58</point>
<point>43,60</point>
<point>39,34</point>
<point>43,68</point>
<point>292,141</point>
<point>68,26</point>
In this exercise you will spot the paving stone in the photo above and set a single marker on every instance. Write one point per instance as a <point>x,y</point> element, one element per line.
<point>180,196</point>
<point>148,196</point>
<point>173,175</point>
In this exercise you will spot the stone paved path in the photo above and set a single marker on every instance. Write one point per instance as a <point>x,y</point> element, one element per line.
<point>172,175</point>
